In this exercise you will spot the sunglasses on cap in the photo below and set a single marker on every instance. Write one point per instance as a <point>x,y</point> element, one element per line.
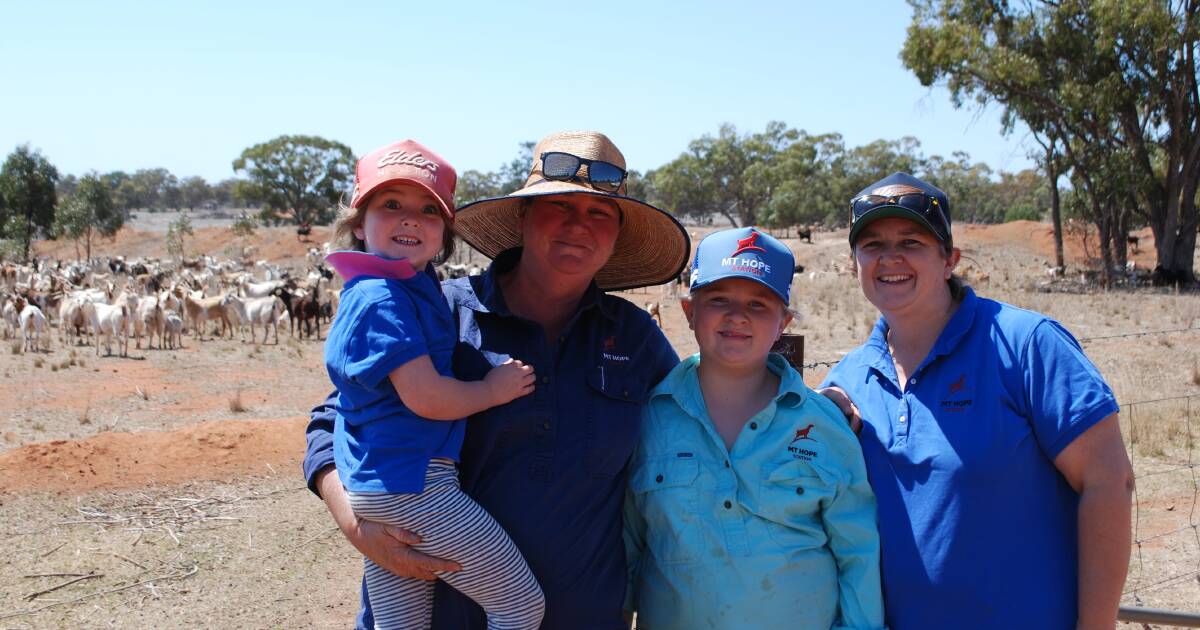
<point>923,204</point>
<point>559,166</point>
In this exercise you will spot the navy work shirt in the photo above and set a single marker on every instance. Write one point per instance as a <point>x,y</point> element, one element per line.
<point>550,467</point>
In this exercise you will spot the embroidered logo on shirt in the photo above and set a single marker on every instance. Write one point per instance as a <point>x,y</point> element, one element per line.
<point>960,405</point>
<point>802,453</point>
<point>609,344</point>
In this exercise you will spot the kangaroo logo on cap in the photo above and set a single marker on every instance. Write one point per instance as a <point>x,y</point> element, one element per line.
<point>748,244</point>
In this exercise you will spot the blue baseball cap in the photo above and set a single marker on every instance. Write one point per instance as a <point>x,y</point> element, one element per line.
<point>744,253</point>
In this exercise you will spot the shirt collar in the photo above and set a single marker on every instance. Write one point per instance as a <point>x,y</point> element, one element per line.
<point>684,385</point>
<point>353,264</point>
<point>490,299</point>
<point>878,356</point>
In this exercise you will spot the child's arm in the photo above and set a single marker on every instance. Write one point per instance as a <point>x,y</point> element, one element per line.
<point>436,397</point>
<point>850,523</point>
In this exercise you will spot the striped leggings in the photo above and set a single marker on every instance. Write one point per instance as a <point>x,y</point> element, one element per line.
<point>453,527</point>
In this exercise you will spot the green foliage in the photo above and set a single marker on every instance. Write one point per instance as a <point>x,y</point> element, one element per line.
<point>27,196</point>
<point>177,231</point>
<point>194,191</point>
<point>243,226</point>
<point>89,212</point>
<point>1108,86</point>
<point>1022,213</point>
<point>301,176</point>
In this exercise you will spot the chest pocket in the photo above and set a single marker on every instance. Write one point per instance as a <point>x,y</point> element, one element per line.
<point>667,494</point>
<point>614,412</point>
<point>790,500</point>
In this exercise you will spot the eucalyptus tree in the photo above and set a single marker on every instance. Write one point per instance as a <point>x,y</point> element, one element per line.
<point>1110,86</point>
<point>302,177</point>
<point>27,196</point>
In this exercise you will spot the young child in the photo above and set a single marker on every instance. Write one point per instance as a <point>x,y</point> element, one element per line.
<point>399,427</point>
<point>748,503</point>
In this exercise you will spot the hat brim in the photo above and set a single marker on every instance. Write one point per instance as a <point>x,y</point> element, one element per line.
<point>883,212</point>
<point>447,211</point>
<point>652,247</point>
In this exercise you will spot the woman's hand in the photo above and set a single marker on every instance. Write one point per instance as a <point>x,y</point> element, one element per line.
<point>847,406</point>
<point>385,545</point>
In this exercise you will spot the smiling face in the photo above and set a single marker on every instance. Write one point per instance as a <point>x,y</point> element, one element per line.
<point>403,221</point>
<point>570,234</point>
<point>736,322</point>
<point>903,268</point>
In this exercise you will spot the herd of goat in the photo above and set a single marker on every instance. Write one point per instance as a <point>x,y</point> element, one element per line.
<point>115,299</point>
<point>112,299</point>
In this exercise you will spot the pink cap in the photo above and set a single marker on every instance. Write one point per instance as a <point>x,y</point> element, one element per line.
<point>405,161</point>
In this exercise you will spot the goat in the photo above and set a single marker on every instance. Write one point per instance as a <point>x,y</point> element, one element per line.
<point>200,309</point>
<point>655,312</point>
<point>804,234</point>
<point>32,321</point>
<point>109,320</point>
<point>264,310</point>
<point>1132,241</point>
<point>173,329</point>
<point>310,308</point>
<point>148,319</point>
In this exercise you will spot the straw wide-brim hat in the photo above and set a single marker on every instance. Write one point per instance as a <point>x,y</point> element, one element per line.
<point>652,247</point>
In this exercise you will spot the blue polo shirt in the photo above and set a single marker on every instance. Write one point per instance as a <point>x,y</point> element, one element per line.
<point>977,526</point>
<point>550,466</point>
<point>379,444</point>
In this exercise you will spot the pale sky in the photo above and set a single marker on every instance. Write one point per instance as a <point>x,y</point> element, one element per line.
<point>123,85</point>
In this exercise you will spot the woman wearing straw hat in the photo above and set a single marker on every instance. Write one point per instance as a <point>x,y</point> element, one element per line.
<point>549,467</point>
<point>991,442</point>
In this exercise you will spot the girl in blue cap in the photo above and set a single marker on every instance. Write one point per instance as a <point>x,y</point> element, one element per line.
<point>748,502</point>
<point>991,441</point>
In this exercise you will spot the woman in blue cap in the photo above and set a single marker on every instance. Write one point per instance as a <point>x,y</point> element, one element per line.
<point>991,441</point>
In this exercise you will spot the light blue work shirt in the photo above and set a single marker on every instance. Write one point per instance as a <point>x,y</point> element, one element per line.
<point>978,527</point>
<point>778,533</point>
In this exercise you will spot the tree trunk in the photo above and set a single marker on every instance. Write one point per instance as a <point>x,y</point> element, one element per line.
<point>1055,210</point>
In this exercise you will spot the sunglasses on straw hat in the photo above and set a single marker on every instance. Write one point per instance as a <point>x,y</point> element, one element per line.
<point>562,167</point>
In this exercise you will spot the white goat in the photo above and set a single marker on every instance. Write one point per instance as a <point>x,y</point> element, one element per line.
<point>32,322</point>
<point>173,329</point>
<point>109,320</point>
<point>148,320</point>
<point>263,310</point>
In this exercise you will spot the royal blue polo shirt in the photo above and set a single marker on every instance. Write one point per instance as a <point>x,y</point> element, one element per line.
<point>550,466</point>
<point>977,526</point>
<point>379,444</point>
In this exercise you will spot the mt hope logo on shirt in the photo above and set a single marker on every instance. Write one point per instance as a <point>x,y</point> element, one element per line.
<point>797,447</point>
<point>609,350</point>
<point>956,405</point>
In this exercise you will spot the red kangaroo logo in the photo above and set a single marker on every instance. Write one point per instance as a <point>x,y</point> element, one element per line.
<point>747,244</point>
<point>957,386</point>
<point>802,434</point>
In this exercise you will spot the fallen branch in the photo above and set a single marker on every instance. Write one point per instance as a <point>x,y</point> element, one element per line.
<point>32,596</point>
<point>173,576</point>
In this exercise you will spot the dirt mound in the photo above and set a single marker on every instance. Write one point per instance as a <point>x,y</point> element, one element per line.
<point>215,450</point>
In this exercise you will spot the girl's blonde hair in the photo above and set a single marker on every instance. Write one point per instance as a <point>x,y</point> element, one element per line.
<point>349,219</point>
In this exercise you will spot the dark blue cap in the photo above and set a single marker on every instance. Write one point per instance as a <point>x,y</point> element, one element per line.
<point>904,196</point>
<point>744,253</point>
